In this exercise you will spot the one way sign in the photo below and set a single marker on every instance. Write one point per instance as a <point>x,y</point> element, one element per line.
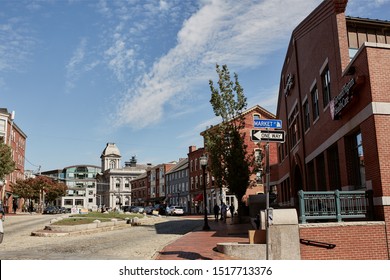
<point>267,135</point>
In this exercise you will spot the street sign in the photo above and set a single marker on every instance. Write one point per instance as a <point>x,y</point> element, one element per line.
<point>267,124</point>
<point>267,135</point>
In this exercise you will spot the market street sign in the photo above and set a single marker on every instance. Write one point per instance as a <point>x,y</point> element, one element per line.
<point>267,135</point>
<point>267,124</point>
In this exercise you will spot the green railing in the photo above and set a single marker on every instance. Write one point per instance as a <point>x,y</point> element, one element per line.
<point>335,205</point>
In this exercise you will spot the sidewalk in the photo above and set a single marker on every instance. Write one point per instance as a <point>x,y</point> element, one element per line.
<point>200,245</point>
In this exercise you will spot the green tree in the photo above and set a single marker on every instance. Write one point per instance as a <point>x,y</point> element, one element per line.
<point>7,165</point>
<point>55,191</point>
<point>33,188</point>
<point>229,162</point>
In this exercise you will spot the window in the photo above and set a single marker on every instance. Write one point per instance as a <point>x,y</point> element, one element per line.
<point>79,202</point>
<point>356,165</point>
<point>306,112</point>
<point>112,164</point>
<point>326,86</point>
<point>314,101</point>
<point>334,168</point>
<point>282,151</point>
<point>68,202</point>
<point>321,178</point>
<point>2,125</point>
<point>117,183</point>
<point>293,128</point>
<point>311,176</point>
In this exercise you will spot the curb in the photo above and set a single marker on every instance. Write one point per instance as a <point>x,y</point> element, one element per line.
<point>51,233</point>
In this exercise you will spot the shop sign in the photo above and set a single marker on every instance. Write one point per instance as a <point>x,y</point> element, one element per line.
<point>342,100</point>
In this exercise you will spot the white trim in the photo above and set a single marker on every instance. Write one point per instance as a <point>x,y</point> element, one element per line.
<point>326,62</point>
<point>314,84</point>
<point>374,108</point>
<point>382,201</point>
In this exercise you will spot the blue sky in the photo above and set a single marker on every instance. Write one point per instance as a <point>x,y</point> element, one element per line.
<point>80,73</point>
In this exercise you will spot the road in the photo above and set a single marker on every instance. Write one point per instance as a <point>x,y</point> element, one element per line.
<point>132,243</point>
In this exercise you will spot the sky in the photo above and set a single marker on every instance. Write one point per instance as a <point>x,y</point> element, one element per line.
<point>82,73</point>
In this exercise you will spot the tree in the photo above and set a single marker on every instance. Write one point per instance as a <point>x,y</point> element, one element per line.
<point>229,162</point>
<point>34,188</point>
<point>7,165</point>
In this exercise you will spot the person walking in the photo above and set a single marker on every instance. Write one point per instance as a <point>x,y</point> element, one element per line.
<point>15,206</point>
<point>2,217</point>
<point>231,208</point>
<point>223,212</point>
<point>216,212</point>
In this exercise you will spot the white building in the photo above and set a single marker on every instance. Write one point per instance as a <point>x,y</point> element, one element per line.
<point>113,184</point>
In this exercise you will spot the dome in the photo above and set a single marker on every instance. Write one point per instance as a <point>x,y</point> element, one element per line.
<point>111,150</point>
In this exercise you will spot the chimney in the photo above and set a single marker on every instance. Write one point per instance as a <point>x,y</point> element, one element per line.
<point>192,149</point>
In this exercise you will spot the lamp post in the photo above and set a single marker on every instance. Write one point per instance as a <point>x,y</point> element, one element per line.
<point>203,163</point>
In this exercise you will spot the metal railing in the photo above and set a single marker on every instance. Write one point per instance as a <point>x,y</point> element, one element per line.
<point>335,205</point>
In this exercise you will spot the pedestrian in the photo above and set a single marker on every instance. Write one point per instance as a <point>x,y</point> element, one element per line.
<point>216,212</point>
<point>223,212</point>
<point>31,207</point>
<point>2,217</point>
<point>231,208</point>
<point>15,206</point>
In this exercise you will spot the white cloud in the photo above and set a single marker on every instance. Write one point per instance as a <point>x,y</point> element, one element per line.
<point>238,33</point>
<point>121,59</point>
<point>15,44</point>
<point>73,68</point>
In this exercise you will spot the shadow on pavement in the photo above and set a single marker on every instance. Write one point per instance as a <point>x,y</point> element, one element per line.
<point>185,255</point>
<point>180,227</point>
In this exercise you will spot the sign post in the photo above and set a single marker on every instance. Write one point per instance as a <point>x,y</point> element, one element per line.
<point>267,136</point>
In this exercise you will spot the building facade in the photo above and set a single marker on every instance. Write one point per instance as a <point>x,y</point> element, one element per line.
<point>335,104</point>
<point>156,183</point>
<point>255,149</point>
<point>140,190</point>
<point>81,186</point>
<point>177,184</point>
<point>114,182</point>
<point>12,135</point>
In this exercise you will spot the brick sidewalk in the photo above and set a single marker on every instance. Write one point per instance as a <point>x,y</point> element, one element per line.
<point>200,245</point>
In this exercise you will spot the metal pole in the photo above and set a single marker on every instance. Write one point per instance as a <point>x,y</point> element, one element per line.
<point>267,168</point>
<point>206,224</point>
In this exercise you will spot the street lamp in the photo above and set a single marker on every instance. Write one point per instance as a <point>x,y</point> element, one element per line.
<point>203,163</point>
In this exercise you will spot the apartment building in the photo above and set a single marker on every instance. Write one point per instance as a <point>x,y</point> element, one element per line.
<point>12,135</point>
<point>177,184</point>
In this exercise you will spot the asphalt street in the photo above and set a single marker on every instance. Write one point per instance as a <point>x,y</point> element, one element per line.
<point>131,243</point>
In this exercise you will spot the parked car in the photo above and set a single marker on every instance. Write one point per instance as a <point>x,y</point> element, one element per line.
<point>138,209</point>
<point>127,208</point>
<point>62,210</point>
<point>149,210</point>
<point>50,210</point>
<point>161,208</point>
<point>175,210</point>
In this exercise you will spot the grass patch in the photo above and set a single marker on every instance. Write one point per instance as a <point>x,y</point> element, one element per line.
<point>78,219</point>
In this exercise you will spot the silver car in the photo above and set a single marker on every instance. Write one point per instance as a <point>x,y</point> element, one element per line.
<point>175,210</point>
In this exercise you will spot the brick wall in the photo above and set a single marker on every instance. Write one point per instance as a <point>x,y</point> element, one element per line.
<point>353,240</point>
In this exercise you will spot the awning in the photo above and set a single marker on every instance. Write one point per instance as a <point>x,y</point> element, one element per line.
<point>199,197</point>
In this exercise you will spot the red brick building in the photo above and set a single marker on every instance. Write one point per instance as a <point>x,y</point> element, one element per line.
<point>335,105</point>
<point>253,148</point>
<point>12,135</point>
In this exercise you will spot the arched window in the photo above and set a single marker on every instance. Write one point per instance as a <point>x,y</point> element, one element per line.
<point>112,164</point>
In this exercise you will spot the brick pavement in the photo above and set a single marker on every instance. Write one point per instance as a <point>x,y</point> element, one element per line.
<point>200,245</point>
